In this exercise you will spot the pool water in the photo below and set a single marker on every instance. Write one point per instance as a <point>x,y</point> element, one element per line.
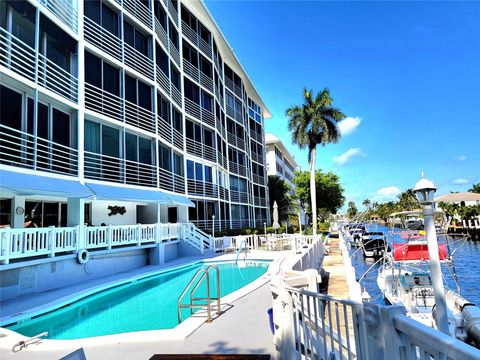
<point>147,304</point>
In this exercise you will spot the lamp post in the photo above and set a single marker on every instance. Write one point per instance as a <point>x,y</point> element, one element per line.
<point>213,226</point>
<point>425,191</point>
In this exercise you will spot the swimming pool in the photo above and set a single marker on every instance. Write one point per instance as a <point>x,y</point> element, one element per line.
<point>146,304</point>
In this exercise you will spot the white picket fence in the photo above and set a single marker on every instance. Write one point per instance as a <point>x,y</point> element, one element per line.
<point>30,243</point>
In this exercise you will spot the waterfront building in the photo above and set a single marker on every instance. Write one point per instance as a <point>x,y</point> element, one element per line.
<point>124,112</point>
<point>281,163</point>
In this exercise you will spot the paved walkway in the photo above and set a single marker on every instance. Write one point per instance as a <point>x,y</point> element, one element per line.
<point>243,329</point>
<point>333,263</point>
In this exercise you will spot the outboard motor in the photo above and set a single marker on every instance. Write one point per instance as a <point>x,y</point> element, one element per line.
<point>471,321</point>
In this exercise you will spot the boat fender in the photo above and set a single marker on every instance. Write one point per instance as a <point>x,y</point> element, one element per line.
<point>83,256</point>
<point>471,319</point>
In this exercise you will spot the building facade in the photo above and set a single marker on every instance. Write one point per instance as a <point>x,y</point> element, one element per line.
<point>142,104</point>
<point>279,161</point>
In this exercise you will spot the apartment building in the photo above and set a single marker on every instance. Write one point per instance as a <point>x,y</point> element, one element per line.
<point>125,112</point>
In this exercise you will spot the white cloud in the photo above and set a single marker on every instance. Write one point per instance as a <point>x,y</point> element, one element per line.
<point>346,156</point>
<point>460,158</point>
<point>460,181</point>
<point>349,124</point>
<point>388,191</point>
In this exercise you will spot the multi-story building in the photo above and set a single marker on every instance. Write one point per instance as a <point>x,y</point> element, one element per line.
<point>136,108</point>
<point>279,161</point>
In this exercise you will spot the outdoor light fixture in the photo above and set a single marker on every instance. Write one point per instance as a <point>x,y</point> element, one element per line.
<point>425,191</point>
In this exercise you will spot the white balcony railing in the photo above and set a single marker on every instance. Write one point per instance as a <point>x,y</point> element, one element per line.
<point>102,39</point>
<point>138,61</point>
<point>189,33</point>
<point>177,139</point>
<point>64,11</point>
<point>162,80</point>
<point>176,95</point>
<point>19,57</point>
<point>161,33</point>
<point>174,53</point>
<point>192,108</point>
<point>103,102</point>
<point>18,148</point>
<point>139,11</point>
<point>138,116</point>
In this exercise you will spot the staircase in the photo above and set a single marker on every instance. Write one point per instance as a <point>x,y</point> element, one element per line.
<point>197,238</point>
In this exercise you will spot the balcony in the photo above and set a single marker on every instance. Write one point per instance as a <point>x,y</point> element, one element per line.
<point>164,129</point>
<point>102,39</point>
<point>178,139</point>
<point>64,11</point>
<point>235,141</point>
<point>171,182</point>
<point>18,57</point>
<point>174,53</point>
<point>138,116</point>
<point>191,70</point>
<point>259,201</point>
<point>176,95</point>
<point>192,108</point>
<point>103,102</point>
<point>20,149</point>
<point>239,196</point>
<point>138,61</point>
<point>237,169</point>
<point>162,80</point>
<point>194,147</point>
<point>193,36</point>
<point>202,188</point>
<point>258,179</point>
<point>233,87</point>
<point>139,12</point>
<point>223,193</point>
<point>256,136</point>
<point>222,160</point>
<point>161,33</point>
<point>171,9</point>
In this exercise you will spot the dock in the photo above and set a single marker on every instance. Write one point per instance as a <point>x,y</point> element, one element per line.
<point>333,263</point>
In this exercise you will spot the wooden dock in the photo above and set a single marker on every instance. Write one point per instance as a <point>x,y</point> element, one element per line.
<point>333,264</point>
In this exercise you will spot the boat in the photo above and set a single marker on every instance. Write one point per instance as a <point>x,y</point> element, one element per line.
<point>404,279</point>
<point>374,244</point>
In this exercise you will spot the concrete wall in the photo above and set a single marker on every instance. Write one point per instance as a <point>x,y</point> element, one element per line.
<point>56,274</point>
<point>185,249</point>
<point>171,251</point>
<point>100,213</point>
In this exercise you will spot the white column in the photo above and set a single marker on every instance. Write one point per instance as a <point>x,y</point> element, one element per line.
<point>18,202</point>
<point>436,270</point>
<point>76,217</point>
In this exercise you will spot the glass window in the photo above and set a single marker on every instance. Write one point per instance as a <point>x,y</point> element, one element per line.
<point>144,96</point>
<point>165,158</point>
<point>141,42</point>
<point>173,34</point>
<point>92,10</point>
<point>111,79</point>
<point>129,33</point>
<point>207,101</point>
<point>109,19</point>
<point>130,89</point>
<point>131,147</point>
<point>175,77</point>
<point>162,59</point>
<point>93,70</point>
<point>145,151</point>
<point>177,120</point>
<point>110,141</point>
<point>189,130</point>
<point>61,127</point>
<point>207,138</point>
<point>190,169</point>
<point>208,174</point>
<point>10,108</point>
<point>42,121</point>
<point>178,164</point>
<point>198,172</point>
<point>23,21</point>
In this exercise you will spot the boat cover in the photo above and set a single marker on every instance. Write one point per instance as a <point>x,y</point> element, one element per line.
<point>412,252</point>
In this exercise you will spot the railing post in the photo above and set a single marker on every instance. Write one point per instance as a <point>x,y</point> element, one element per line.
<point>52,241</point>
<point>157,233</point>
<point>109,237</point>
<point>139,230</point>
<point>6,240</point>
<point>81,237</point>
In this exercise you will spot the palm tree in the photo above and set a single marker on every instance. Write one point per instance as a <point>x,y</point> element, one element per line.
<point>475,188</point>
<point>367,203</point>
<point>314,123</point>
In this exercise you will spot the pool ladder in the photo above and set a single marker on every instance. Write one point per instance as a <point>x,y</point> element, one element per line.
<point>200,275</point>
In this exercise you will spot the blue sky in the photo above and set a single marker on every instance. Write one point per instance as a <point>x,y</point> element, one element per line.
<point>407,73</point>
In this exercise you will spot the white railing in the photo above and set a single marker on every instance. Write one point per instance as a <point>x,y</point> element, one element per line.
<point>20,58</point>
<point>354,288</point>
<point>64,11</point>
<point>176,95</point>
<point>208,117</point>
<point>102,38</point>
<point>205,47</point>
<point>138,61</point>
<point>237,168</point>
<point>138,116</point>
<point>162,80</point>
<point>177,139</point>
<point>17,148</point>
<point>23,243</point>
<point>161,33</point>
<point>174,53</point>
<point>192,108</point>
<point>16,55</point>
<point>53,241</point>
<point>103,102</point>
<point>189,33</point>
<point>197,238</point>
<point>139,11</point>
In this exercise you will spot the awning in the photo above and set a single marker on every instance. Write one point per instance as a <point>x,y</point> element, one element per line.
<point>178,199</point>
<point>26,184</point>
<point>123,193</point>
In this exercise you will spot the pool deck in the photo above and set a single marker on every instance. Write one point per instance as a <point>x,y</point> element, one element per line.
<point>243,328</point>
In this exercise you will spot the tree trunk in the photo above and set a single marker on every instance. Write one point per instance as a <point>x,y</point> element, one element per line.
<point>313,192</point>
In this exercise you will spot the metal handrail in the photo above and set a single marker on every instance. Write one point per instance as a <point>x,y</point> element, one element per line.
<point>204,274</point>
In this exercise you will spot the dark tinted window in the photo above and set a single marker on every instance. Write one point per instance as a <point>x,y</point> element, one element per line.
<point>130,89</point>
<point>92,10</point>
<point>61,127</point>
<point>111,79</point>
<point>93,70</point>
<point>144,96</point>
<point>109,19</point>
<point>10,108</point>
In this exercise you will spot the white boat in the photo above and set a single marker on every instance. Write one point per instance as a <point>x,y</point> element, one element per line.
<point>404,279</point>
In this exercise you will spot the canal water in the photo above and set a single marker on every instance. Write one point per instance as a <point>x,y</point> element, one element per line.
<point>466,254</point>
